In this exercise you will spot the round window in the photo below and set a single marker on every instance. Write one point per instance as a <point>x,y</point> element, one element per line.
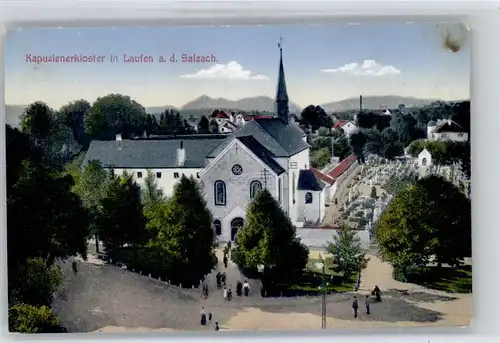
<point>237,169</point>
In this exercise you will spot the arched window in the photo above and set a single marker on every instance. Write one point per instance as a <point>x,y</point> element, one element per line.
<point>309,198</point>
<point>424,161</point>
<point>220,193</point>
<point>255,187</point>
<point>218,227</point>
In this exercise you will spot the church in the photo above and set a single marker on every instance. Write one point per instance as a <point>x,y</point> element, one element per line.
<point>269,153</point>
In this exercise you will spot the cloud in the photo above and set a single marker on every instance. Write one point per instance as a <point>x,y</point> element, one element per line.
<point>231,71</point>
<point>368,67</point>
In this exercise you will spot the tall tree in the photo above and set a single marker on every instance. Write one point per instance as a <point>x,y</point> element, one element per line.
<point>347,252</point>
<point>73,115</point>
<point>60,220</point>
<point>203,125</point>
<point>115,114</point>
<point>92,187</point>
<point>184,229</point>
<point>121,220</point>
<point>269,239</point>
<point>316,117</point>
<point>36,121</point>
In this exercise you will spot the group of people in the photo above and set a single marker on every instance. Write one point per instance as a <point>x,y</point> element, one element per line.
<point>207,317</point>
<point>241,288</point>
<point>355,306</point>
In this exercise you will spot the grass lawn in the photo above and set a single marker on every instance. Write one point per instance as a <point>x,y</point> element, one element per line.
<point>311,280</point>
<point>447,279</point>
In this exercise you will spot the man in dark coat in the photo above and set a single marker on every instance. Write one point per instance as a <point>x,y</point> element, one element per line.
<point>355,307</point>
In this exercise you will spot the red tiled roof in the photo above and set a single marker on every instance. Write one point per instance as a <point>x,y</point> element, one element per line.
<point>219,114</point>
<point>323,177</point>
<point>339,124</point>
<point>342,167</point>
<point>247,118</point>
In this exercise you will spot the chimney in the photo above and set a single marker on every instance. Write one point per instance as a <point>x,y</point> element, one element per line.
<point>361,103</point>
<point>181,155</point>
<point>118,136</point>
<point>449,122</point>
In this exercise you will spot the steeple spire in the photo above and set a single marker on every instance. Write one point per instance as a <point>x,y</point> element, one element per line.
<point>281,92</point>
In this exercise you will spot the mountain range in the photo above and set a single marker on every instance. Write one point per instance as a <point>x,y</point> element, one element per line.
<point>204,104</point>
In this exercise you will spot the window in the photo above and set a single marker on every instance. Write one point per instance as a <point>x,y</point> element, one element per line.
<point>255,187</point>
<point>197,175</point>
<point>139,175</point>
<point>309,198</point>
<point>460,134</point>
<point>176,175</point>
<point>220,193</point>
<point>218,227</point>
<point>158,175</point>
<point>237,169</point>
<point>279,191</point>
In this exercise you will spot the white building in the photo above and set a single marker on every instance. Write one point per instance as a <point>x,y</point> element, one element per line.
<point>263,153</point>
<point>424,159</point>
<point>347,126</point>
<point>446,130</point>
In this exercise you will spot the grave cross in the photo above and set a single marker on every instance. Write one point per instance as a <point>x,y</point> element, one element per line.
<point>264,174</point>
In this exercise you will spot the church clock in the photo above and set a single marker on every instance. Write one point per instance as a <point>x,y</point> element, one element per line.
<point>237,169</point>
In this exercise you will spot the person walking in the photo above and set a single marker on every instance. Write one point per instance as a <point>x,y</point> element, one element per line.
<point>203,320</point>
<point>217,326</point>
<point>73,266</point>
<point>355,307</point>
<point>225,261</point>
<point>246,288</point>
<point>223,279</point>
<point>225,293</point>
<point>367,304</point>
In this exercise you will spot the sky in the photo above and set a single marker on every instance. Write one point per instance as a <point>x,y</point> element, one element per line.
<point>323,63</point>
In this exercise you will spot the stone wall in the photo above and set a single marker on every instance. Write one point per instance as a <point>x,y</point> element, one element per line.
<point>317,237</point>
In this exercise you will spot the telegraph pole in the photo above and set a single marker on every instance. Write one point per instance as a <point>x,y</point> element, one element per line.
<point>323,302</point>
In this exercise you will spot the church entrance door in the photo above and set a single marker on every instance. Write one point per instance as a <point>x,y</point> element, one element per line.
<point>236,224</point>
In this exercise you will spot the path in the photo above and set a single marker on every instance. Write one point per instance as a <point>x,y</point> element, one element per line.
<point>332,211</point>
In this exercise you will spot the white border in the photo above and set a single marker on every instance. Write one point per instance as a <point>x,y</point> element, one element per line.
<point>483,18</point>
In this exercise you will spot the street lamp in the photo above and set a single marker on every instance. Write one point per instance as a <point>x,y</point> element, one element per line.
<point>320,265</point>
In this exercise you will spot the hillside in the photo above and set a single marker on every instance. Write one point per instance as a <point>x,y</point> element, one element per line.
<point>376,102</point>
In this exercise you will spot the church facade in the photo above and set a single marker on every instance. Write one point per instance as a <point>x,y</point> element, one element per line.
<point>264,153</point>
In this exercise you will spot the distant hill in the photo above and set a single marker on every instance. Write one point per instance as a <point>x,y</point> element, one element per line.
<point>258,103</point>
<point>376,102</point>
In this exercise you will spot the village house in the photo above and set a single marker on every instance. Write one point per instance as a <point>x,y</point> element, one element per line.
<point>347,126</point>
<point>269,153</point>
<point>446,130</point>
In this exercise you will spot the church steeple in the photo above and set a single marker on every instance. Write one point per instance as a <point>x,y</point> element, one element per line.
<point>281,93</point>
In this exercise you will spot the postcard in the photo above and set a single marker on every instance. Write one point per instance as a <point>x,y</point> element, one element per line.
<point>233,178</point>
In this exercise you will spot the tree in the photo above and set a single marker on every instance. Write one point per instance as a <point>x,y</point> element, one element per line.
<point>203,125</point>
<point>151,193</point>
<point>321,158</point>
<point>372,120</point>
<point>36,121</point>
<point>26,318</point>
<point>357,142</point>
<point>44,218</point>
<point>34,283</point>
<point>115,114</point>
<point>121,220</point>
<point>268,238</point>
<point>391,147</point>
<point>92,187</point>
<point>73,116</point>
<point>184,230</point>
<point>316,117</point>
<point>347,252</point>
<point>427,220</point>
<point>214,127</point>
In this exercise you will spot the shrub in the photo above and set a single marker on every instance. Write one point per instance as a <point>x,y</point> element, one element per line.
<point>25,318</point>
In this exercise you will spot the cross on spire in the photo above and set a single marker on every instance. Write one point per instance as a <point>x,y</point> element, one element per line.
<point>280,44</point>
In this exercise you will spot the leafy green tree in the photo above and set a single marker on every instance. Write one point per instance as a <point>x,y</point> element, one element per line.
<point>204,125</point>
<point>367,119</point>
<point>73,116</point>
<point>115,114</point>
<point>357,142</point>
<point>34,283</point>
<point>347,252</point>
<point>374,144</point>
<point>321,158</point>
<point>121,219</point>
<point>24,318</point>
<point>429,220</point>
<point>268,238</point>
<point>184,229</point>
<point>151,193</point>
<point>43,200</point>
<point>36,121</point>
<point>316,117</point>
<point>92,187</point>
<point>391,147</point>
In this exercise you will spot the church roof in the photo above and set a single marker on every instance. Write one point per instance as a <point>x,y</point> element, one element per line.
<point>307,181</point>
<point>261,152</point>
<point>280,139</point>
<point>151,154</point>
